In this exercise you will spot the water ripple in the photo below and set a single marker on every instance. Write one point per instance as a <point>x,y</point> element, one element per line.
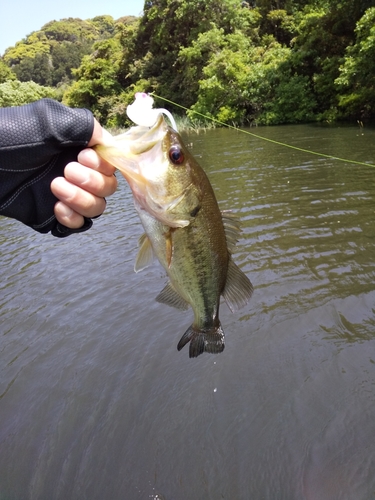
<point>95,400</point>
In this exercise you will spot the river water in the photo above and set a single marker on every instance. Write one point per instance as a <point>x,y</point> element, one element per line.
<point>95,401</point>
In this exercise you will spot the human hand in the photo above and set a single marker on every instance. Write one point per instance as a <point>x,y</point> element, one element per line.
<point>85,184</point>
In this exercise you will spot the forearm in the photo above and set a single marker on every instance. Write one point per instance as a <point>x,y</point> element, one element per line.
<point>36,142</point>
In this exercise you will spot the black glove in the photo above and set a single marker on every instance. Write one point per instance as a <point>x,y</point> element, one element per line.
<point>36,143</point>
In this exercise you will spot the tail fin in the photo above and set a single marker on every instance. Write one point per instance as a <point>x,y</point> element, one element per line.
<point>210,340</point>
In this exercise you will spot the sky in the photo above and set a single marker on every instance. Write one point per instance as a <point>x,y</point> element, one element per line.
<point>20,17</point>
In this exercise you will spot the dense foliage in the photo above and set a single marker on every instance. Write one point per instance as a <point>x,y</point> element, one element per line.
<point>48,56</point>
<point>16,93</point>
<point>269,61</point>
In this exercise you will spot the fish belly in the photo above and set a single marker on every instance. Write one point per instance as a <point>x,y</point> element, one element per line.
<point>196,265</point>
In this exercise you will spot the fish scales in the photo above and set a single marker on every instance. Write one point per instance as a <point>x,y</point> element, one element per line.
<point>184,228</point>
<point>199,261</point>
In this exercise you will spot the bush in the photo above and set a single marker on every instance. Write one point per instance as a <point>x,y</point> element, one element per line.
<point>16,93</point>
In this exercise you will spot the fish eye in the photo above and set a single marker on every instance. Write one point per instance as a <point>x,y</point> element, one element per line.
<point>176,155</point>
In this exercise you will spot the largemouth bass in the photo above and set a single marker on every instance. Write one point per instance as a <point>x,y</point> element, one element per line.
<point>184,228</point>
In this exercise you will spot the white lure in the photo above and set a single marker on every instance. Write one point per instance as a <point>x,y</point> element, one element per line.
<point>142,112</point>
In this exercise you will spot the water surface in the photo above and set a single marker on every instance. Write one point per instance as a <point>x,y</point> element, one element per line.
<point>95,400</point>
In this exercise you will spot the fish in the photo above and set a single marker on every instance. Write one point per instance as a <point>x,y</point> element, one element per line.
<point>184,228</point>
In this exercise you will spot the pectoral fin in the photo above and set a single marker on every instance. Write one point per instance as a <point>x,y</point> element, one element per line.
<point>171,298</point>
<point>181,210</point>
<point>145,255</point>
<point>238,288</point>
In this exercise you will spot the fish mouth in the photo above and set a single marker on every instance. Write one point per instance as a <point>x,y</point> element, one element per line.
<point>124,151</point>
<point>140,155</point>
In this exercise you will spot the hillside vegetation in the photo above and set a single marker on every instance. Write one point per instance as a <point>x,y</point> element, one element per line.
<point>269,61</point>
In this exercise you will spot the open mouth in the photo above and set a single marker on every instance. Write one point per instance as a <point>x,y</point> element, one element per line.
<point>125,149</point>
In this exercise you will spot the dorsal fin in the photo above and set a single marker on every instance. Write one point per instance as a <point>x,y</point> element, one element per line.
<point>238,288</point>
<point>145,256</point>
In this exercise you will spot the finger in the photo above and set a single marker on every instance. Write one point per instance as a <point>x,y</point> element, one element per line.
<point>67,217</point>
<point>99,135</point>
<point>79,200</point>
<point>90,180</point>
<point>90,158</point>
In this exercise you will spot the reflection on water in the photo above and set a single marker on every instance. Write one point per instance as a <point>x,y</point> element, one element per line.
<point>95,400</point>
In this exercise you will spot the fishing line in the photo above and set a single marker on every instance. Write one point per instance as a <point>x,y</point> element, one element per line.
<point>264,138</point>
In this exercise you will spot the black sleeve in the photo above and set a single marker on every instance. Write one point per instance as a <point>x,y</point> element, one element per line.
<point>36,142</point>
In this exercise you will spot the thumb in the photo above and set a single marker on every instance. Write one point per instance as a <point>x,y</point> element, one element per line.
<point>99,135</point>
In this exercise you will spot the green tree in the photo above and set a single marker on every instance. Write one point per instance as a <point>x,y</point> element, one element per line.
<point>292,101</point>
<point>15,93</point>
<point>222,89</point>
<point>65,58</point>
<point>356,82</point>
<point>107,80</point>
<point>243,82</point>
<point>71,30</point>
<point>167,27</point>
<point>34,44</point>
<point>38,69</point>
<point>105,26</point>
<point>97,79</point>
<point>48,56</point>
<point>317,52</point>
<point>324,29</point>
<point>5,72</point>
<point>209,44</point>
<point>273,61</point>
